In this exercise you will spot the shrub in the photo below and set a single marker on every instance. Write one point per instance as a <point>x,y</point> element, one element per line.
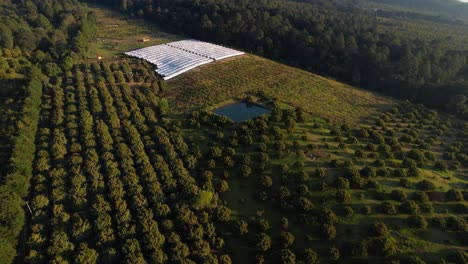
<point>410,207</point>
<point>264,182</point>
<point>388,208</point>
<point>223,214</point>
<point>360,154</point>
<point>456,224</point>
<point>328,231</point>
<point>426,185</point>
<point>367,210</point>
<point>305,204</point>
<point>334,253</point>
<point>439,222</point>
<point>368,172</point>
<point>343,197</point>
<point>327,217</point>
<point>379,229</point>
<point>263,225</point>
<point>320,172</point>
<point>351,172</point>
<point>384,172</point>
<point>383,246</point>
<point>398,195</point>
<point>400,173</point>
<point>348,211</point>
<point>454,195</point>
<point>413,172</point>
<point>441,166</point>
<point>421,197</point>
<point>263,242</point>
<point>225,259</point>
<point>287,239</point>
<point>342,183</point>
<point>287,257</point>
<point>241,227</point>
<point>245,171</point>
<point>415,260</point>
<point>417,221</point>
<point>310,256</point>
<point>461,256</point>
<point>416,155</point>
<point>379,163</point>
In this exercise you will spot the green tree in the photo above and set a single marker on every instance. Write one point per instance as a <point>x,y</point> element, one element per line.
<point>263,242</point>
<point>6,37</point>
<point>287,257</point>
<point>310,256</point>
<point>242,227</point>
<point>223,214</point>
<point>334,253</point>
<point>328,231</point>
<point>86,255</point>
<point>287,239</point>
<point>25,39</point>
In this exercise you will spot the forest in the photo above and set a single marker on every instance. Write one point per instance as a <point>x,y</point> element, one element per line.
<point>332,38</point>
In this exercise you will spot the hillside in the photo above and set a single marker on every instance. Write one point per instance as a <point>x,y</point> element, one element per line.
<point>340,39</point>
<point>236,78</point>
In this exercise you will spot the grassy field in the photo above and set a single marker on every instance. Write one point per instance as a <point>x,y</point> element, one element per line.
<point>117,33</point>
<point>217,83</point>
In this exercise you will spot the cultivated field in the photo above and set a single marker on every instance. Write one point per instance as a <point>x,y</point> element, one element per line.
<point>334,174</point>
<point>235,78</point>
<point>402,171</point>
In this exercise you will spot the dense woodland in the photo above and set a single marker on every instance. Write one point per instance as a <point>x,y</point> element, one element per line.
<point>327,37</point>
<point>447,8</point>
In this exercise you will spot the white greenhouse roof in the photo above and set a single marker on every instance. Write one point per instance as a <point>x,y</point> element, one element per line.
<point>175,58</point>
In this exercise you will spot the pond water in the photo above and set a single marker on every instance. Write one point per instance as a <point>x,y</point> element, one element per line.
<point>241,111</point>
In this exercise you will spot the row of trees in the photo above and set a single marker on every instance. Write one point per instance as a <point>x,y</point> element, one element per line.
<point>15,185</point>
<point>126,173</point>
<point>33,35</point>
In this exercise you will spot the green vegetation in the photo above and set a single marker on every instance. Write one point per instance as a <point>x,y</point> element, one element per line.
<point>250,75</point>
<point>111,174</point>
<point>38,40</point>
<point>341,39</point>
<point>336,189</point>
<point>117,33</point>
<point>122,184</point>
<point>452,37</point>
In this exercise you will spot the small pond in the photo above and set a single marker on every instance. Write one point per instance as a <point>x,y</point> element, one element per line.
<point>241,111</point>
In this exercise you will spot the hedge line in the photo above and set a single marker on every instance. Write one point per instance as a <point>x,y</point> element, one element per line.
<point>16,185</point>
